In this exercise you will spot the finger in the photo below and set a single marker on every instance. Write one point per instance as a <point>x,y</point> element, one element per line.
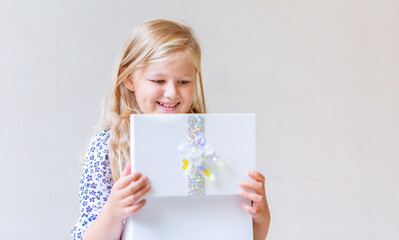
<point>134,186</point>
<point>134,208</point>
<point>251,184</point>
<point>126,180</point>
<point>256,198</point>
<point>256,175</point>
<point>127,170</point>
<point>131,199</point>
<point>251,210</point>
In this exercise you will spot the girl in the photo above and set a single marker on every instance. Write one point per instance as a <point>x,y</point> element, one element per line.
<point>158,71</point>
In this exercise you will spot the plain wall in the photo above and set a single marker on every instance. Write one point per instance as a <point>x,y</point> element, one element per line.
<point>321,76</point>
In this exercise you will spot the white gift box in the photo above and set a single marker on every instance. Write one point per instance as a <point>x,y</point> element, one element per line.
<point>170,213</point>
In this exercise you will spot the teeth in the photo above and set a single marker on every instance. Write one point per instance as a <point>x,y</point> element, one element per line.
<point>169,106</point>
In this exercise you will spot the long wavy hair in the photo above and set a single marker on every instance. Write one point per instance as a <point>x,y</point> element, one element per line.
<point>151,41</point>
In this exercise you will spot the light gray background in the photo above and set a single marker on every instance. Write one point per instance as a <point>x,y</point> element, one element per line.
<point>322,77</point>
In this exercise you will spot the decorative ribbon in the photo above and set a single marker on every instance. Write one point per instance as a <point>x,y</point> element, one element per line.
<point>197,156</point>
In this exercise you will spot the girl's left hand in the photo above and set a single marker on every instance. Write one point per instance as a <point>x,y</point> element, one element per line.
<point>259,209</point>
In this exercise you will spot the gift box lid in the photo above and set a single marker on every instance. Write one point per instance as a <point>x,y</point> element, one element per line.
<point>186,153</point>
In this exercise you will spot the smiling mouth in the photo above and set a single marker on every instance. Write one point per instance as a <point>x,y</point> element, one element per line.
<point>169,105</point>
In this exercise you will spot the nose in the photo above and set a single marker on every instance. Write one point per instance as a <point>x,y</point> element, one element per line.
<point>170,90</point>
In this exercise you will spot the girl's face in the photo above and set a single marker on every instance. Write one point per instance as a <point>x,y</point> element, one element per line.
<point>164,87</point>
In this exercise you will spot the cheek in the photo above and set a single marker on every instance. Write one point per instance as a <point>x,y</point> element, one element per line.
<point>154,94</point>
<point>146,97</point>
<point>148,94</point>
<point>188,95</point>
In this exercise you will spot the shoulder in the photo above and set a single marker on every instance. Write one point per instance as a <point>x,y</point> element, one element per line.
<point>101,138</point>
<point>99,141</point>
<point>98,146</point>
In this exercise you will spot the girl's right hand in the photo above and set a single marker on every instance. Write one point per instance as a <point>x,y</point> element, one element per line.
<point>125,193</point>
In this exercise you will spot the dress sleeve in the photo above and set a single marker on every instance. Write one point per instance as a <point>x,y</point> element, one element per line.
<point>95,183</point>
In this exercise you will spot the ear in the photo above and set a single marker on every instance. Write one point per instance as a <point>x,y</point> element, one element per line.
<point>128,81</point>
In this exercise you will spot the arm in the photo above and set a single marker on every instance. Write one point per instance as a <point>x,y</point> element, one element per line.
<point>97,192</point>
<point>125,192</point>
<point>95,183</point>
<point>259,209</point>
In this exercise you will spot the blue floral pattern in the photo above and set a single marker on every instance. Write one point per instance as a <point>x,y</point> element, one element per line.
<point>95,182</point>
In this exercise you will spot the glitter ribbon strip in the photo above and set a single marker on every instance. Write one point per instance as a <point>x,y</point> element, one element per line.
<point>197,155</point>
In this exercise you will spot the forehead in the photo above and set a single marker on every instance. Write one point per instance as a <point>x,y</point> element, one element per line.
<point>176,64</point>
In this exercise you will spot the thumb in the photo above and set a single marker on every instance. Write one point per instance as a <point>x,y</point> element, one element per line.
<point>127,170</point>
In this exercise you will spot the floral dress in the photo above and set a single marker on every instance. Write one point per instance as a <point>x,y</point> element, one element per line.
<point>95,182</point>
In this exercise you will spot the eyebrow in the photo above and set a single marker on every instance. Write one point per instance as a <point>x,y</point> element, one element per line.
<point>162,75</point>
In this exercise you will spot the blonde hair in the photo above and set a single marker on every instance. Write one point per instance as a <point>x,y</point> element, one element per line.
<point>151,41</point>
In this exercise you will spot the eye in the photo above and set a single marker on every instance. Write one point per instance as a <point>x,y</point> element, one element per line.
<point>158,81</point>
<point>183,82</point>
